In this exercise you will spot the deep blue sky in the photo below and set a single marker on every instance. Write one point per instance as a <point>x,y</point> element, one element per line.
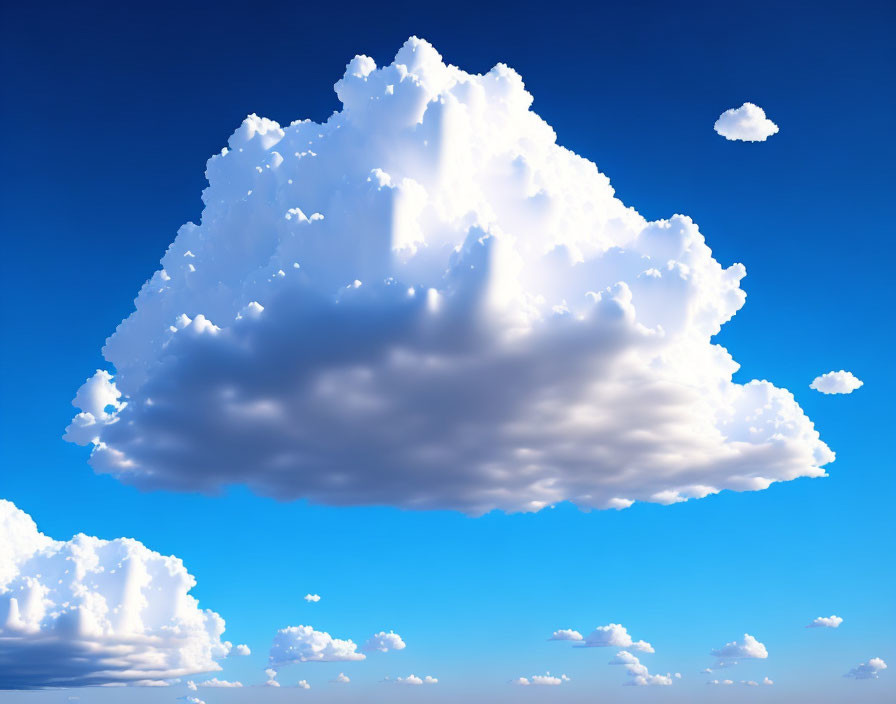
<point>110,113</point>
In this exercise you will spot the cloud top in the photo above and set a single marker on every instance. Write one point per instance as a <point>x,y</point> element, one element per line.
<point>427,302</point>
<point>86,612</point>
<point>842,382</point>
<point>747,123</point>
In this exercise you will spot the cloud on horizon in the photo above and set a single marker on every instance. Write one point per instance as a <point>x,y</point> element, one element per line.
<point>427,302</point>
<point>87,612</point>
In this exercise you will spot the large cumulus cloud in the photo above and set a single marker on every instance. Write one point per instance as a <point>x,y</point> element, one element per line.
<point>427,302</point>
<point>92,612</point>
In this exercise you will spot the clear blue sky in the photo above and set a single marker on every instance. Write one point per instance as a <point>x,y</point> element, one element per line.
<point>110,114</point>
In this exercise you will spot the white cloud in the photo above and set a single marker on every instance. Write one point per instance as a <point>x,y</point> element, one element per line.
<point>384,642</point>
<point>749,647</point>
<point>842,382</point>
<point>414,680</point>
<point>566,634</point>
<point>638,674</point>
<point>312,598</point>
<point>749,683</point>
<point>720,682</point>
<point>614,635</point>
<point>747,123</point>
<point>545,680</point>
<point>191,685</point>
<point>766,680</point>
<point>191,700</point>
<point>272,678</point>
<point>87,611</point>
<point>826,622</point>
<point>303,684</point>
<point>341,678</point>
<point>304,644</point>
<point>215,682</point>
<point>241,650</point>
<point>427,302</point>
<point>867,670</point>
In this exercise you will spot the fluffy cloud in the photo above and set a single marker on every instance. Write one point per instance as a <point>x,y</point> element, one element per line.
<point>638,674</point>
<point>545,680</point>
<point>384,642</point>
<point>427,302</point>
<point>566,634</point>
<point>749,647</point>
<point>614,635</point>
<point>215,682</point>
<point>87,611</point>
<point>867,670</point>
<point>341,678</point>
<point>414,680</point>
<point>720,682</point>
<point>272,678</point>
<point>841,382</point>
<point>766,680</point>
<point>303,684</point>
<point>312,598</point>
<point>747,123</point>
<point>241,650</point>
<point>304,644</point>
<point>826,622</point>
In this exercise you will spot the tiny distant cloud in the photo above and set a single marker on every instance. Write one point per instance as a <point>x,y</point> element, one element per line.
<point>566,634</point>
<point>749,647</point>
<point>638,674</point>
<point>867,670</point>
<point>241,650</point>
<point>303,684</point>
<point>312,598</point>
<point>91,612</point>
<point>413,680</point>
<point>304,644</point>
<point>341,678</point>
<point>383,642</point>
<point>545,680</point>
<point>842,382</point>
<point>747,123</point>
<point>766,680</point>
<point>826,622</point>
<point>720,682</point>
<point>215,682</point>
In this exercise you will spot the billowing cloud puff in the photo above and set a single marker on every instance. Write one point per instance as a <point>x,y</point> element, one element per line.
<point>749,647</point>
<point>89,612</point>
<point>566,634</point>
<point>614,635</point>
<point>427,302</point>
<point>747,123</point>
<point>303,684</point>
<point>341,678</point>
<point>826,622</point>
<point>414,680</point>
<point>241,649</point>
<point>546,680</point>
<point>638,674</point>
<point>384,642</point>
<point>312,598</point>
<point>867,670</point>
<point>841,382</point>
<point>304,644</point>
<point>272,678</point>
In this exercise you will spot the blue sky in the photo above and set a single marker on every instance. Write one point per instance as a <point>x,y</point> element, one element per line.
<point>111,114</point>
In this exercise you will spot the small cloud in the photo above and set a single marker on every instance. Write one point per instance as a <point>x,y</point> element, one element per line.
<point>867,670</point>
<point>545,680</point>
<point>303,684</point>
<point>750,683</point>
<point>341,678</point>
<point>215,682</point>
<point>272,678</point>
<point>566,634</point>
<point>312,598</point>
<point>720,682</point>
<point>614,635</point>
<point>638,674</point>
<point>747,123</point>
<point>413,680</point>
<point>304,644</point>
<point>241,650</point>
<point>749,647</point>
<point>842,382</point>
<point>766,680</point>
<point>826,622</point>
<point>383,642</point>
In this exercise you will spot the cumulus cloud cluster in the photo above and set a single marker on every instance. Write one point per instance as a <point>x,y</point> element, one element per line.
<point>747,123</point>
<point>427,302</point>
<point>826,622</point>
<point>613,635</point>
<point>304,644</point>
<point>545,680</point>
<point>638,674</point>
<point>749,647</point>
<point>312,598</point>
<point>87,611</point>
<point>414,680</point>
<point>842,382</point>
<point>867,670</point>
<point>384,642</point>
